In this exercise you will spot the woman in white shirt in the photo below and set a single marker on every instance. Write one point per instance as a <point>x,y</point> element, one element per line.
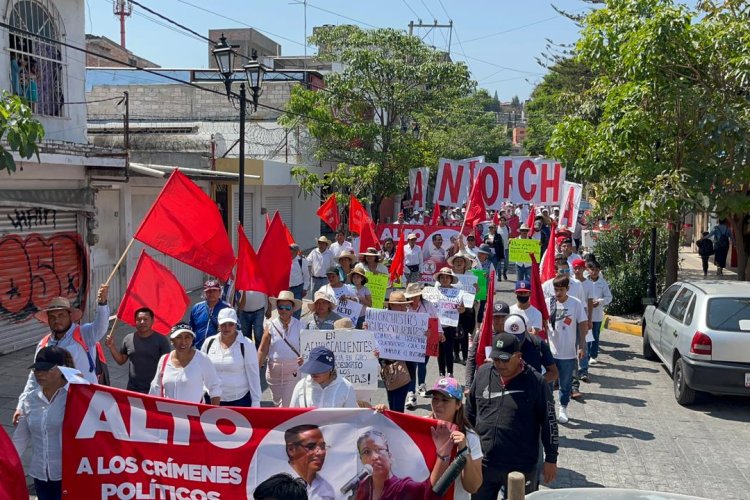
<point>371,262</point>
<point>41,421</point>
<point>322,386</point>
<point>236,361</point>
<point>280,344</point>
<point>454,430</point>
<point>185,373</point>
<point>336,286</point>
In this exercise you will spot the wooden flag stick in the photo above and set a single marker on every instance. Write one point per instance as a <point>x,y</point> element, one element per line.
<point>114,325</point>
<point>119,262</point>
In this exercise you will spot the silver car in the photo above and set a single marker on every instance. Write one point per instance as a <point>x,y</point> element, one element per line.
<point>701,331</point>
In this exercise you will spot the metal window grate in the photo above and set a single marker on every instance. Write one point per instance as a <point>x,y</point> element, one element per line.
<point>37,66</point>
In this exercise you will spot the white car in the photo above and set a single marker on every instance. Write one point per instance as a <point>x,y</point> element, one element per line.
<point>701,332</point>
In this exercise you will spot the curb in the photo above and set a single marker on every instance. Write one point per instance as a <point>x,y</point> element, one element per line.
<point>622,327</point>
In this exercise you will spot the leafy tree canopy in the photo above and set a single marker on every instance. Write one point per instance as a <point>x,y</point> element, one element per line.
<point>19,131</point>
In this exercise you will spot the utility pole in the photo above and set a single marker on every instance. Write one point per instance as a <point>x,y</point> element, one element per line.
<point>434,25</point>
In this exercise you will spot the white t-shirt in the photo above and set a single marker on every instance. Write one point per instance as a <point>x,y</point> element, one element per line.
<point>562,340</point>
<point>574,290</point>
<point>475,452</point>
<point>309,394</point>
<point>532,315</point>
<point>186,383</point>
<point>347,290</point>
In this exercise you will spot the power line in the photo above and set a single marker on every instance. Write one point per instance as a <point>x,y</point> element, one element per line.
<point>410,8</point>
<point>171,21</point>
<point>517,28</point>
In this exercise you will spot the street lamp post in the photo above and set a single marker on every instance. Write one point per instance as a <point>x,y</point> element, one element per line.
<point>254,72</point>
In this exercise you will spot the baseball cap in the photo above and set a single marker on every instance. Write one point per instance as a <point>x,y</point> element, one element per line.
<point>515,325</point>
<point>579,263</point>
<point>49,357</point>
<point>180,328</point>
<point>523,286</point>
<point>448,386</point>
<point>500,308</point>
<point>227,315</point>
<point>321,360</point>
<point>504,345</point>
<point>211,285</point>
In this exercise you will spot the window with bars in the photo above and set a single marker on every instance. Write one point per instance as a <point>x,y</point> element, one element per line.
<point>37,65</point>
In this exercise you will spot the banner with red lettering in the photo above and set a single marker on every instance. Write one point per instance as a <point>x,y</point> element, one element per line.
<point>418,179</point>
<point>435,242</point>
<point>570,205</point>
<point>119,444</point>
<point>517,179</point>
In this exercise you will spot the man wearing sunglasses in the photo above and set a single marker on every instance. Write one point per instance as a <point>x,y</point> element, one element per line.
<point>306,450</point>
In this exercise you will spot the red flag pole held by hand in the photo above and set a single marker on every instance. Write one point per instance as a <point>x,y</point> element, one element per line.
<point>397,264</point>
<point>272,248</point>
<point>537,295</point>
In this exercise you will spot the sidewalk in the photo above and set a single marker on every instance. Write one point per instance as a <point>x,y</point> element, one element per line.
<point>691,269</point>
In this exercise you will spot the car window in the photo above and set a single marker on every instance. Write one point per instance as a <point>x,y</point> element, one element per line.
<point>680,304</point>
<point>725,313</point>
<point>689,315</point>
<point>667,297</point>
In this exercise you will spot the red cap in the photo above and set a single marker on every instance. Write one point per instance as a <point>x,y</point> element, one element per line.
<point>579,263</point>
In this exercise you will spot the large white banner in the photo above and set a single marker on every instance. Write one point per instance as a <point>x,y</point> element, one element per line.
<point>570,205</point>
<point>399,335</point>
<point>418,179</point>
<point>515,179</point>
<point>354,352</point>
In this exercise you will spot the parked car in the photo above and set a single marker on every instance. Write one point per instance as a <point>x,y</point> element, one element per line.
<point>701,332</point>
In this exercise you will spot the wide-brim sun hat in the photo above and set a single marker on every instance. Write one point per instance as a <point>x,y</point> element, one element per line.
<point>359,271</point>
<point>413,290</point>
<point>325,240</point>
<point>461,255</point>
<point>347,254</point>
<point>398,298</point>
<point>288,296</point>
<point>448,272</point>
<point>321,295</point>
<point>59,304</point>
<point>371,252</point>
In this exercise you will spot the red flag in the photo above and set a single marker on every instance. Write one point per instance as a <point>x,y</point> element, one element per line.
<point>475,210</point>
<point>537,295</point>
<point>368,238</point>
<point>496,218</point>
<point>329,212</point>
<point>289,237</point>
<point>268,222</point>
<point>485,336</point>
<point>358,216</point>
<point>249,274</point>
<point>435,215</point>
<point>397,264</point>
<point>567,214</point>
<point>273,257</point>
<point>184,223</point>
<point>548,261</point>
<point>530,220</point>
<point>154,286</point>
<point>13,484</point>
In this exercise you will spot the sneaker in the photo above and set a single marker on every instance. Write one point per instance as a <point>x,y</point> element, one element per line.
<point>584,378</point>
<point>505,276</point>
<point>422,390</point>
<point>562,418</point>
<point>450,375</point>
<point>575,394</point>
<point>411,401</point>
<point>593,361</point>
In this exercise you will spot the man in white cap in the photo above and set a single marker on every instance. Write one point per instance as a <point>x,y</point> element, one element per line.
<point>412,259</point>
<point>78,339</point>
<point>320,260</point>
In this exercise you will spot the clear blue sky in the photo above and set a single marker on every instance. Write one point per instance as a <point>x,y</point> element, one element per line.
<point>499,39</point>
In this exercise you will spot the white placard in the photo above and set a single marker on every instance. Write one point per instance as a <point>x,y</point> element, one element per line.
<point>447,301</point>
<point>353,350</point>
<point>349,309</point>
<point>399,335</point>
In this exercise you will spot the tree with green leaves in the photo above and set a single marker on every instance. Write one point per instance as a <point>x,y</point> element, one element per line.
<point>19,131</point>
<point>364,120</point>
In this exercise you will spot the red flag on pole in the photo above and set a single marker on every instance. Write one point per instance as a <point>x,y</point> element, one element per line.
<point>329,212</point>
<point>268,222</point>
<point>154,286</point>
<point>537,295</point>
<point>475,210</point>
<point>485,336</point>
<point>368,237</point>
<point>13,484</point>
<point>184,223</point>
<point>435,214</point>
<point>273,252</point>
<point>530,220</point>
<point>289,237</point>
<point>249,273</point>
<point>548,261</point>
<point>397,264</point>
<point>358,216</point>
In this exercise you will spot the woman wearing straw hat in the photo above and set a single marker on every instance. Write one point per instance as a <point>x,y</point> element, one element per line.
<point>413,293</point>
<point>336,286</point>
<point>322,309</point>
<point>446,279</point>
<point>359,280</point>
<point>467,322</point>
<point>371,262</point>
<point>347,261</point>
<point>281,345</point>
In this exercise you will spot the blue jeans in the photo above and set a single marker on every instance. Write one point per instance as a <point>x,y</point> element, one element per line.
<point>565,369</point>
<point>245,401</point>
<point>317,284</point>
<point>252,324</point>
<point>505,262</point>
<point>596,329</point>
<point>523,273</point>
<point>397,398</point>
<point>48,490</point>
<point>297,291</point>
<point>422,371</point>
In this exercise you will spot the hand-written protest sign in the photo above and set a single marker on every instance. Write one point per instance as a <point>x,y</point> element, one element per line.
<point>519,250</point>
<point>121,444</point>
<point>350,309</point>
<point>481,284</point>
<point>399,335</point>
<point>353,350</point>
<point>378,284</point>
<point>447,301</point>
<point>467,283</point>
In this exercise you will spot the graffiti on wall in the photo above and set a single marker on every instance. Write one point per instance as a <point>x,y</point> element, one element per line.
<point>34,269</point>
<point>32,217</point>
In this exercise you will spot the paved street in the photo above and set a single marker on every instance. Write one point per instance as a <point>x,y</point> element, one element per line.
<point>628,431</point>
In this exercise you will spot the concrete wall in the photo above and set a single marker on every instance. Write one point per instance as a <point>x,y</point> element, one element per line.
<point>72,126</point>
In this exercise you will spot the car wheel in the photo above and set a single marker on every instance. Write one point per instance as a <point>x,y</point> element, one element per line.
<point>648,351</point>
<point>682,393</point>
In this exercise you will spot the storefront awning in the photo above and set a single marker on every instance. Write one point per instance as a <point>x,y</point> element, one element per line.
<point>152,170</point>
